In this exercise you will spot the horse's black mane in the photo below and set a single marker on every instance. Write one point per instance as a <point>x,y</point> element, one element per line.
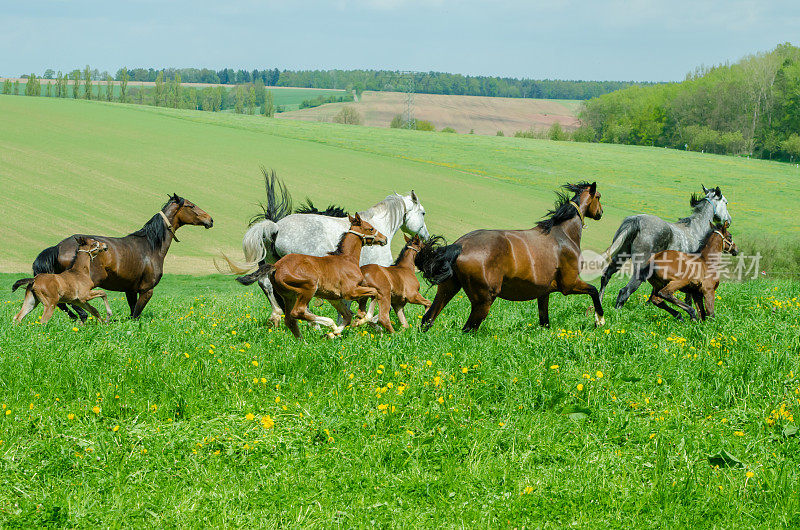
<point>339,250</point>
<point>696,202</point>
<point>331,211</point>
<point>563,210</point>
<point>155,230</point>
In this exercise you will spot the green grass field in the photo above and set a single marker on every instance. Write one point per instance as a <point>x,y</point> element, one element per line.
<point>198,415</point>
<point>83,166</point>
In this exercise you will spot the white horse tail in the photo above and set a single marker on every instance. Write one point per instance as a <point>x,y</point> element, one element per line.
<point>258,241</point>
<point>629,227</point>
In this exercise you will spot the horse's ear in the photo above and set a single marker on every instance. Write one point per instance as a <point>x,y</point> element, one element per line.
<point>726,224</point>
<point>711,224</point>
<point>80,240</point>
<point>593,188</point>
<point>414,198</point>
<point>718,191</point>
<point>705,190</point>
<point>351,219</point>
<point>408,239</point>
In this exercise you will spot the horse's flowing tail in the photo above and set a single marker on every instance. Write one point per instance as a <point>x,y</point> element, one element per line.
<point>628,229</point>
<point>436,259</point>
<point>46,261</point>
<point>20,283</point>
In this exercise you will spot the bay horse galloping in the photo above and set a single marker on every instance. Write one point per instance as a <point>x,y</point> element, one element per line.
<point>297,278</point>
<point>135,262</point>
<point>515,265</point>
<point>697,275</point>
<point>75,285</point>
<point>397,285</point>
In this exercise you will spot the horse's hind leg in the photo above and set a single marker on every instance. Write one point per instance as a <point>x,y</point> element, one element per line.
<point>275,315</point>
<point>341,307</point>
<point>613,267</point>
<point>667,294</point>
<point>446,291</point>
<point>131,297</point>
<point>80,312</point>
<point>88,307</point>
<point>28,305</point>
<point>48,312</point>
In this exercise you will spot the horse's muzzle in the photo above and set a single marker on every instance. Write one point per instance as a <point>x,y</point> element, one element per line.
<point>208,224</point>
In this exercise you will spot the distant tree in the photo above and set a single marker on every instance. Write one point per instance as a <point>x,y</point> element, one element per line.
<point>49,73</point>
<point>123,85</point>
<point>397,122</point>
<point>31,80</point>
<point>348,115</point>
<point>472,131</point>
<point>448,130</point>
<point>238,106</point>
<point>251,100</point>
<point>7,88</point>
<point>584,133</point>
<point>176,101</point>
<point>109,88</point>
<point>424,125</point>
<point>49,89</point>
<point>160,90</point>
<point>87,83</point>
<point>791,146</point>
<point>557,133</point>
<point>16,87</point>
<point>500,133</point>
<point>268,107</point>
<point>76,83</point>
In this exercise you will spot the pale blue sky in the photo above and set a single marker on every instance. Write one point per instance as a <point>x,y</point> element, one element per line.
<point>619,40</point>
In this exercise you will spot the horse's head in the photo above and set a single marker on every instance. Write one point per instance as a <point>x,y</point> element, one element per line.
<point>414,218</point>
<point>590,195</point>
<point>90,246</point>
<point>720,204</point>
<point>188,213</point>
<point>367,232</point>
<point>415,242</point>
<point>727,238</point>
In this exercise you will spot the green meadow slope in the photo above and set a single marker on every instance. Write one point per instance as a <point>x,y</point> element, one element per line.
<point>71,166</point>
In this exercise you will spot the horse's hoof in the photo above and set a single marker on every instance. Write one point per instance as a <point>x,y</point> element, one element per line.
<point>599,321</point>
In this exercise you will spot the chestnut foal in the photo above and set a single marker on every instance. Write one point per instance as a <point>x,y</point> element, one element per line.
<point>397,286</point>
<point>697,275</point>
<point>73,286</point>
<point>297,278</point>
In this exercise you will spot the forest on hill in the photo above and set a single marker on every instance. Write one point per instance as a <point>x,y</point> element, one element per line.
<point>749,107</point>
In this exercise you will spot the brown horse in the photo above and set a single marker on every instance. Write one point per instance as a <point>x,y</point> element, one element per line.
<point>515,264</point>
<point>397,285</point>
<point>136,261</point>
<point>297,278</point>
<point>697,275</point>
<point>75,285</point>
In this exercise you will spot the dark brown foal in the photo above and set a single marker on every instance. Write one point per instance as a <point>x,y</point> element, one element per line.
<point>397,286</point>
<point>74,286</point>
<point>297,278</point>
<point>697,275</point>
<point>515,264</point>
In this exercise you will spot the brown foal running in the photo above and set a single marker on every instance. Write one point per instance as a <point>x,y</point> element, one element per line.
<point>697,275</point>
<point>74,286</point>
<point>397,286</point>
<point>297,278</point>
<point>515,264</point>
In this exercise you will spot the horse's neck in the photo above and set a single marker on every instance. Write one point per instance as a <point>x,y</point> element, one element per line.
<point>351,247</point>
<point>713,249</point>
<point>386,217</point>
<point>699,222</point>
<point>162,252</point>
<point>82,265</point>
<point>408,260</point>
<point>572,228</point>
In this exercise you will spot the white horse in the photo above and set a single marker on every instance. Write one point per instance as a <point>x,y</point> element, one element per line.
<point>278,232</point>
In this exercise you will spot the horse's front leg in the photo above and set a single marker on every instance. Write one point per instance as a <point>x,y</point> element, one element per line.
<point>581,287</point>
<point>342,307</point>
<point>277,312</point>
<point>102,294</point>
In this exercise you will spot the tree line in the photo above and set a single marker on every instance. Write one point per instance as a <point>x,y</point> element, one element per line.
<point>250,98</point>
<point>749,107</point>
<point>386,80</point>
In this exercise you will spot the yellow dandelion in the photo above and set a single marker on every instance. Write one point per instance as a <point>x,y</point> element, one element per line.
<point>580,387</point>
<point>739,433</point>
<point>599,374</point>
<point>249,416</point>
<point>74,329</point>
<point>554,367</point>
<point>750,474</point>
<point>116,428</point>
<point>254,363</point>
<point>70,416</point>
<point>464,370</point>
<point>96,409</point>
<point>267,422</point>
<point>440,400</point>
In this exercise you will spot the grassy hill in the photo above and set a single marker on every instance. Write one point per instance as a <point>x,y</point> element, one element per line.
<point>71,166</point>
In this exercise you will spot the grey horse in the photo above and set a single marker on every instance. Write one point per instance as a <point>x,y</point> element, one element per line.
<point>641,236</point>
<point>277,232</point>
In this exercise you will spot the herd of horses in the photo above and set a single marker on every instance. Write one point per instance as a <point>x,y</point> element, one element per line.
<point>296,255</point>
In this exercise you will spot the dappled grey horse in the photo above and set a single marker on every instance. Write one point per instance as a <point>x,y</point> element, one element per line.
<point>641,236</point>
<point>278,232</point>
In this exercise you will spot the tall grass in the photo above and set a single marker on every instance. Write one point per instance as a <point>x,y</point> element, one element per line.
<point>199,415</point>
